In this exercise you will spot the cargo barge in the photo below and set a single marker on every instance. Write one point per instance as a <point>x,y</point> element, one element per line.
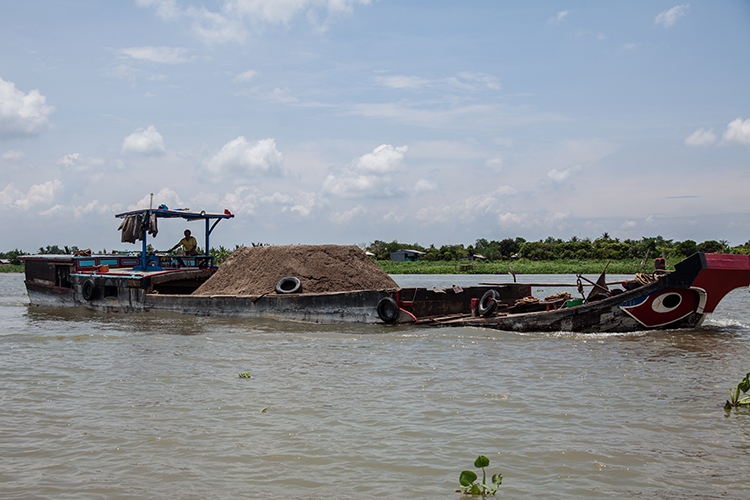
<point>145,281</point>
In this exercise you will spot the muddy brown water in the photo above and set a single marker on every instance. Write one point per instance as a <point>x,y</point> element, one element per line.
<point>151,406</point>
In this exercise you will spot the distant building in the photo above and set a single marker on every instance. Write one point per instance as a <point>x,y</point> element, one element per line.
<point>406,255</point>
<point>476,256</point>
<point>4,262</point>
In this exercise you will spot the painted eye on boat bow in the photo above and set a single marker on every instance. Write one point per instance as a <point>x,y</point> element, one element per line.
<point>663,307</point>
<point>666,302</point>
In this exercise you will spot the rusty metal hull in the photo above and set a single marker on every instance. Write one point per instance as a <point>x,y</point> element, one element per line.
<point>606,315</point>
<point>680,299</point>
<point>329,308</point>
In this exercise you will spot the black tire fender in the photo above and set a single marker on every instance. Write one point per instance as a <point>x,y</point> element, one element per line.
<point>290,284</point>
<point>88,290</point>
<point>388,310</point>
<point>488,303</point>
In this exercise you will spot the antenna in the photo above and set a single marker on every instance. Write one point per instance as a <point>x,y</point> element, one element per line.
<point>151,203</point>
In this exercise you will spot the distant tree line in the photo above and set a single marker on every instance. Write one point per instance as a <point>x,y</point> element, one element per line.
<point>13,255</point>
<point>603,247</point>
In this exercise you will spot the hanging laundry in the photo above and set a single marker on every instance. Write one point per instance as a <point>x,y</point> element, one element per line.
<point>153,228</point>
<point>129,228</point>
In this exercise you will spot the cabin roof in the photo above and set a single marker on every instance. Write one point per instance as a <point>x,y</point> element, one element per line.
<point>174,214</point>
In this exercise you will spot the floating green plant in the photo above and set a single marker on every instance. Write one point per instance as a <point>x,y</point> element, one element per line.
<point>735,400</point>
<point>469,484</point>
<point>245,375</point>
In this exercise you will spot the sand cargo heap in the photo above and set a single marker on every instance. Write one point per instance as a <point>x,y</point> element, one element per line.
<point>313,283</point>
<point>319,268</point>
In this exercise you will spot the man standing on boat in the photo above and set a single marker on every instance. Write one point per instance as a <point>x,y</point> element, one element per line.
<point>189,244</point>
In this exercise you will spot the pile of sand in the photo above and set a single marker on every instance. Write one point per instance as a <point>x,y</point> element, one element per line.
<point>320,268</point>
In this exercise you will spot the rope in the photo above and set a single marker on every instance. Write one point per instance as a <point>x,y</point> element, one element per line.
<point>557,296</point>
<point>527,300</point>
<point>644,278</point>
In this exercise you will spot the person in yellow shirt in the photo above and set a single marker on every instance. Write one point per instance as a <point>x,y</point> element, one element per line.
<point>189,244</point>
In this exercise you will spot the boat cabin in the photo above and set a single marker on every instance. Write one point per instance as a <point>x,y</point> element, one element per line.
<point>120,281</point>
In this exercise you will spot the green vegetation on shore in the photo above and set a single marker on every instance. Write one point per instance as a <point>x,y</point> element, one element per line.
<point>556,249</point>
<point>520,266</point>
<point>549,256</point>
<point>13,268</point>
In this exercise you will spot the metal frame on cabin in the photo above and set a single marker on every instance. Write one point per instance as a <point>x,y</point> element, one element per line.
<point>161,213</point>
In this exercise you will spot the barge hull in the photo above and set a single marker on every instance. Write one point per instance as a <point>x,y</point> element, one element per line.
<point>345,307</point>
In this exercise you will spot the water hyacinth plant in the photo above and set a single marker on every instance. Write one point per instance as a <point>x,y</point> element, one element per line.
<point>469,484</point>
<point>734,394</point>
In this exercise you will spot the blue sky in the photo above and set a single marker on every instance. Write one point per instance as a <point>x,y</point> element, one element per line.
<point>346,121</point>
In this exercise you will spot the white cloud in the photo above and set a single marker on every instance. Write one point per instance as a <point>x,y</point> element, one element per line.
<point>235,18</point>
<point>669,17</point>
<point>21,114</point>
<point>241,201</point>
<point>252,201</point>
<point>304,203</point>
<point>10,194</point>
<point>464,81</point>
<point>38,194</point>
<point>469,209</point>
<point>13,155</point>
<point>384,158</point>
<point>215,27</point>
<point>424,185</point>
<point>402,82</point>
<point>510,219</point>
<point>282,96</point>
<point>701,137</point>
<point>561,175</point>
<point>738,131</point>
<point>146,142</point>
<point>347,216</point>
<point>629,46</point>
<point>165,196</point>
<point>368,175</point>
<point>166,9</point>
<point>161,55</point>
<point>56,209</point>
<point>495,163</point>
<point>557,19</point>
<point>245,76</point>
<point>93,207</point>
<point>242,158</point>
<point>282,11</point>
<point>69,159</point>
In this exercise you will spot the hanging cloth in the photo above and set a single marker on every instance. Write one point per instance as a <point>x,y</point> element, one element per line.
<point>153,228</point>
<point>129,227</point>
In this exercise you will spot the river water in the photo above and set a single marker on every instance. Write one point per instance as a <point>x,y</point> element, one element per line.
<point>151,406</point>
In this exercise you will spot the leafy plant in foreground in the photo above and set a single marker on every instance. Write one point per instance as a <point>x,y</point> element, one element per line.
<point>469,484</point>
<point>734,394</point>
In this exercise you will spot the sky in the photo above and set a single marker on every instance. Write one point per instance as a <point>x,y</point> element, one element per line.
<point>349,121</point>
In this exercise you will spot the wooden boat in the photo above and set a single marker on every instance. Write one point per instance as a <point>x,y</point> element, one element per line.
<point>144,282</point>
<point>678,299</point>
